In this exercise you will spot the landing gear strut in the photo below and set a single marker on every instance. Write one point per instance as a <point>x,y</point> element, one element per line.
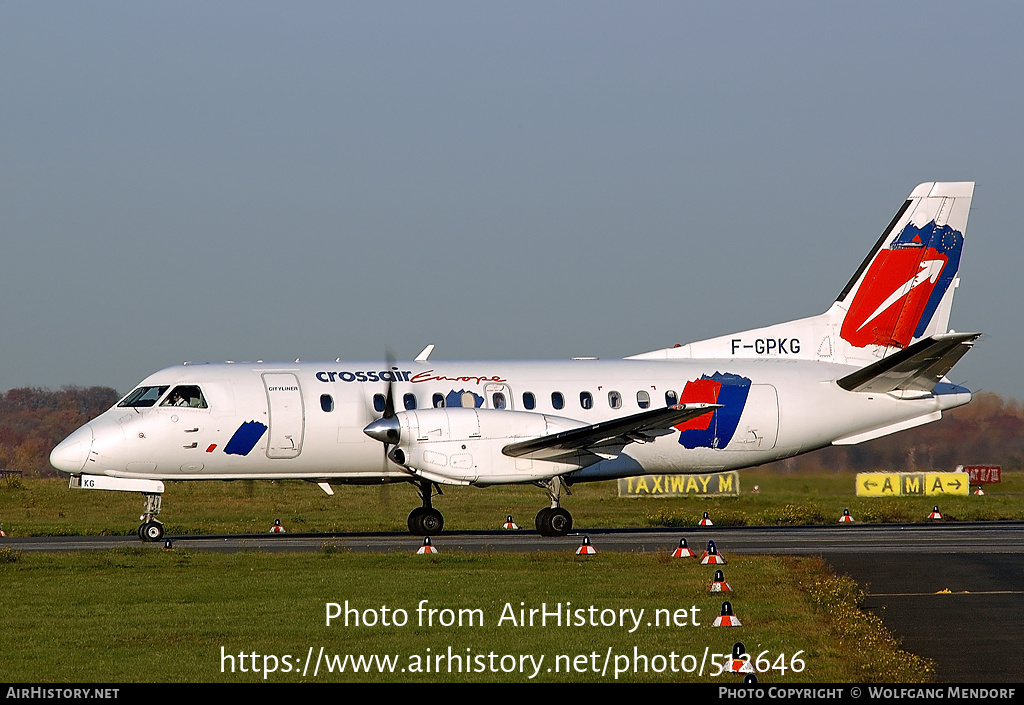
<point>425,520</point>
<point>151,529</point>
<point>554,520</point>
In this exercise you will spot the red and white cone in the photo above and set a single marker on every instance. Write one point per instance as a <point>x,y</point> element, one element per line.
<point>738,664</point>
<point>683,551</point>
<point>277,528</point>
<point>2,534</point>
<point>509,524</point>
<point>706,521</point>
<point>586,548</point>
<point>846,518</point>
<point>979,491</point>
<point>727,618</point>
<point>756,490</point>
<point>427,547</point>
<point>719,584</point>
<point>935,513</point>
<point>711,555</point>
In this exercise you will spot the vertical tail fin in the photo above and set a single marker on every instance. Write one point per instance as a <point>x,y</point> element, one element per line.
<point>902,292</point>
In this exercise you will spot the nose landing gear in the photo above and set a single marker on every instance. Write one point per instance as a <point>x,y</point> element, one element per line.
<point>151,530</point>
<point>425,520</point>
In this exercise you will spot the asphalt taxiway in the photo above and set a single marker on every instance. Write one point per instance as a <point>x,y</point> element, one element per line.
<point>953,592</point>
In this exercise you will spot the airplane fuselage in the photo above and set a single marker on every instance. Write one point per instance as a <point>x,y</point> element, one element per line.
<point>306,420</point>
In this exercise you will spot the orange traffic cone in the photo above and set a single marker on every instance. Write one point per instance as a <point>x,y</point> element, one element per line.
<point>711,556</point>
<point>719,584</point>
<point>727,618</point>
<point>683,551</point>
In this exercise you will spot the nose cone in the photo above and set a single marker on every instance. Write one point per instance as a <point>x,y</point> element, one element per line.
<point>71,454</point>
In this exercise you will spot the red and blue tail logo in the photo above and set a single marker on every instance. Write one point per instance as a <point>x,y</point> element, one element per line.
<point>714,429</point>
<point>903,287</point>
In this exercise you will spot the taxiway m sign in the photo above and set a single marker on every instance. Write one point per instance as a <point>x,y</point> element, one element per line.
<point>720,484</point>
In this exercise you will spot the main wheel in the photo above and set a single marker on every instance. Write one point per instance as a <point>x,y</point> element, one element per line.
<point>432,522</point>
<point>560,522</point>
<point>151,531</point>
<point>415,522</point>
<point>541,521</point>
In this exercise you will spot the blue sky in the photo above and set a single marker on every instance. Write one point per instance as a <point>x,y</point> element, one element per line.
<point>244,180</point>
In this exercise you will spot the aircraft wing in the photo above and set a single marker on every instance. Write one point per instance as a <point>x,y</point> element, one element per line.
<point>917,368</point>
<point>637,428</point>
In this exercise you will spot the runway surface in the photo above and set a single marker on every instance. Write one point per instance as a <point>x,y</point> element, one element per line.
<point>952,592</point>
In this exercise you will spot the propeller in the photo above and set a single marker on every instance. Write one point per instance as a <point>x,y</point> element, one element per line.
<point>388,429</point>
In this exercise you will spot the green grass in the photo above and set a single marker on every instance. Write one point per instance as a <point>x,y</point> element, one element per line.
<point>46,507</point>
<point>142,614</point>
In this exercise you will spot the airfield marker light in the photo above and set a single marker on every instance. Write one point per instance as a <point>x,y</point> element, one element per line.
<point>586,548</point>
<point>750,679</point>
<point>935,513</point>
<point>706,521</point>
<point>2,534</point>
<point>727,618</point>
<point>738,664</point>
<point>711,555</point>
<point>277,528</point>
<point>427,547</point>
<point>509,524</point>
<point>846,518</point>
<point>168,546</point>
<point>979,491</point>
<point>683,551</point>
<point>719,584</point>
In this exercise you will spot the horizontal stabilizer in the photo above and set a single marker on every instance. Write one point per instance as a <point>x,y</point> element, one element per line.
<point>638,428</point>
<point>917,368</point>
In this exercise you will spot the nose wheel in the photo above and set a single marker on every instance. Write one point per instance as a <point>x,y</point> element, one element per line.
<point>151,530</point>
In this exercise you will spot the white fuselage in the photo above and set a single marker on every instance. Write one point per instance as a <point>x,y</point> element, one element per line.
<point>310,418</point>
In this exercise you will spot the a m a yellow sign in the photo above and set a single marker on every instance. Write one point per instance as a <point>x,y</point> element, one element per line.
<point>723,483</point>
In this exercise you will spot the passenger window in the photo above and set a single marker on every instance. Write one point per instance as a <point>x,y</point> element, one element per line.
<point>410,401</point>
<point>327,402</point>
<point>529,401</point>
<point>586,400</point>
<point>557,400</point>
<point>379,402</point>
<point>185,395</point>
<point>438,400</point>
<point>144,396</point>
<point>643,399</point>
<point>615,400</point>
<point>498,400</point>
<point>670,398</point>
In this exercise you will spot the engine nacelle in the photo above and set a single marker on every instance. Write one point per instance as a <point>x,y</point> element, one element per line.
<point>460,445</point>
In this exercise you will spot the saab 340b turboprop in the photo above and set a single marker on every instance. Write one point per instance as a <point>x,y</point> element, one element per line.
<point>874,363</point>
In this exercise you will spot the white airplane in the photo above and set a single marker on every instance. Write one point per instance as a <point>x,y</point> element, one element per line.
<point>874,363</point>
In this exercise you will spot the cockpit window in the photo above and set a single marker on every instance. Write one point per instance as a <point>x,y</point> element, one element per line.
<point>144,396</point>
<point>185,395</point>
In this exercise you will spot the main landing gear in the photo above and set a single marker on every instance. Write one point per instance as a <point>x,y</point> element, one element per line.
<point>151,530</point>
<point>425,520</point>
<point>554,520</point>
